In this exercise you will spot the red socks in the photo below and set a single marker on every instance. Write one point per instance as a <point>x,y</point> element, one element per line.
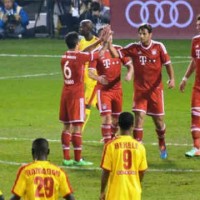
<point>114,130</point>
<point>106,132</point>
<point>77,144</point>
<point>65,139</point>
<point>138,134</point>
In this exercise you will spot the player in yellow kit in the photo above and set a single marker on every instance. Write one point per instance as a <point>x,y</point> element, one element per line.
<point>88,39</point>
<point>41,179</point>
<point>123,163</point>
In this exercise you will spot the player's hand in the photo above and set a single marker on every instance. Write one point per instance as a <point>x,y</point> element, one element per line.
<point>102,79</point>
<point>182,85</point>
<point>171,83</point>
<point>128,77</point>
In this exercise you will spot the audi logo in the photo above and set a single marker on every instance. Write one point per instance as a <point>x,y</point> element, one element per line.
<point>174,13</point>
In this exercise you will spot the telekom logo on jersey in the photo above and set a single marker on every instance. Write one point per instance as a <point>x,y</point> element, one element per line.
<point>143,60</point>
<point>106,63</point>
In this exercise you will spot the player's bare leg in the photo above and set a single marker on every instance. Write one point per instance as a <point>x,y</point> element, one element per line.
<point>106,127</point>
<point>195,131</point>
<point>114,125</point>
<point>77,144</point>
<point>160,130</point>
<point>65,140</point>
<point>138,127</point>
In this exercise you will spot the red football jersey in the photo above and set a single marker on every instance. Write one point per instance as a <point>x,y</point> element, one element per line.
<point>195,53</point>
<point>111,68</point>
<point>147,63</point>
<point>72,65</point>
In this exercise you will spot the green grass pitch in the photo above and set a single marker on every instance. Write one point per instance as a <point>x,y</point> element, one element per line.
<point>30,88</point>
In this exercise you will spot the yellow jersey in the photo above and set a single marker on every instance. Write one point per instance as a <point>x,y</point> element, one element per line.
<point>85,43</point>
<point>1,192</point>
<point>90,97</point>
<point>124,157</point>
<point>41,180</point>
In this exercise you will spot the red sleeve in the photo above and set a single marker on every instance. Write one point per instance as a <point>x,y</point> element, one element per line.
<point>126,60</point>
<point>93,64</point>
<point>164,55</point>
<point>193,55</point>
<point>126,51</point>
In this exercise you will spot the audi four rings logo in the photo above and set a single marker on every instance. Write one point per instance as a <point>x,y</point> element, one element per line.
<point>174,13</point>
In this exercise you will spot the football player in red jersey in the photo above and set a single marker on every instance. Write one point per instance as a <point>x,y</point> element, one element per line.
<point>72,106</point>
<point>109,89</point>
<point>195,104</point>
<point>148,57</point>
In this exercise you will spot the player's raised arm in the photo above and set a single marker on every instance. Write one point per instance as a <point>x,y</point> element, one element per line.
<point>170,72</point>
<point>188,73</point>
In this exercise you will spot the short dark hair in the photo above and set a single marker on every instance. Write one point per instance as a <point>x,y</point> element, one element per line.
<point>72,39</point>
<point>145,26</point>
<point>198,17</point>
<point>40,146</point>
<point>125,121</point>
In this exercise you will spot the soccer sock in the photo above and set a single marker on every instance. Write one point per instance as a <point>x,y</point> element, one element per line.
<point>65,139</point>
<point>114,130</point>
<point>138,134</point>
<point>196,139</point>
<point>161,136</point>
<point>87,116</point>
<point>77,144</point>
<point>195,128</point>
<point>106,132</point>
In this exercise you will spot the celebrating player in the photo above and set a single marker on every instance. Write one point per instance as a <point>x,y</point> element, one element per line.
<point>148,56</point>
<point>195,104</point>
<point>123,163</point>
<point>109,90</point>
<point>72,106</point>
<point>86,27</point>
<point>41,179</point>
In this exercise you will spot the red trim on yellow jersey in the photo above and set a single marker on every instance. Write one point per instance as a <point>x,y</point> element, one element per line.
<point>18,174</point>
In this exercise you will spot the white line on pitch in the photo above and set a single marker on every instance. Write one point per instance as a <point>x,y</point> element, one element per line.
<point>98,168</point>
<point>86,141</point>
<point>30,55</point>
<point>29,75</point>
<point>59,56</point>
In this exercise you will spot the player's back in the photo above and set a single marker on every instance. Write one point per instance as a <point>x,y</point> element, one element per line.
<point>196,55</point>
<point>128,158</point>
<point>41,180</point>
<point>72,64</point>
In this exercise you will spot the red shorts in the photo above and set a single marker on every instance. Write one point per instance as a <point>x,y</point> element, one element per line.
<point>110,101</point>
<point>72,110</point>
<point>149,103</point>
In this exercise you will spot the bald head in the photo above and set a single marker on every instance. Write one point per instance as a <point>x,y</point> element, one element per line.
<point>86,27</point>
